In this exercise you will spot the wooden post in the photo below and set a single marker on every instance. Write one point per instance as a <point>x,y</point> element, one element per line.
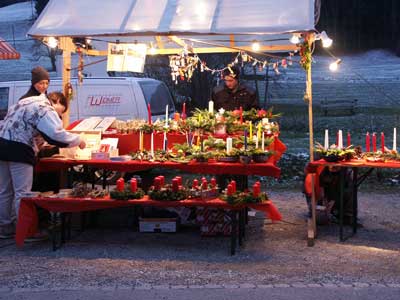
<point>67,46</point>
<point>310,40</point>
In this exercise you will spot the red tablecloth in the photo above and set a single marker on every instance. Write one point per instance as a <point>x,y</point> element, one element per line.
<point>28,220</point>
<point>218,168</point>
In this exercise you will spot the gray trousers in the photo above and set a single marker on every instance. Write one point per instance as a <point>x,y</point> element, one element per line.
<point>15,179</point>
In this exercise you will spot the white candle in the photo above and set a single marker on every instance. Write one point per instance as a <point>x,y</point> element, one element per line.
<point>263,141</point>
<point>211,106</point>
<point>152,145</point>
<point>257,142</point>
<point>228,145</point>
<point>340,142</point>
<point>166,116</point>
<point>265,121</point>
<point>326,143</point>
<point>394,139</point>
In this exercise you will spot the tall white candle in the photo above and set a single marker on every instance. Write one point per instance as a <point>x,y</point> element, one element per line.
<point>228,145</point>
<point>152,145</point>
<point>210,106</point>
<point>166,116</point>
<point>263,141</point>
<point>326,143</point>
<point>340,142</point>
<point>394,139</point>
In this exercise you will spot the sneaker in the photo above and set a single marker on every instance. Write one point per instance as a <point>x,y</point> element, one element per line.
<point>37,237</point>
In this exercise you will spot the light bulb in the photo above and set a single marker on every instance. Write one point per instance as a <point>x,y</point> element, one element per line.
<point>255,46</point>
<point>334,66</point>
<point>326,41</point>
<point>295,38</point>
<point>52,42</point>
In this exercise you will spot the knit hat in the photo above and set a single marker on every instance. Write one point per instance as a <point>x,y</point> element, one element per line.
<point>39,74</point>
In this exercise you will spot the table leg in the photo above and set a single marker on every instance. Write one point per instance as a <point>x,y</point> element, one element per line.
<point>62,216</point>
<point>233,231</point>
<point>341,206</point>
<point>355,199</point>
<point>241,221</point>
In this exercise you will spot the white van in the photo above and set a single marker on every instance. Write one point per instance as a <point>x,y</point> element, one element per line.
<point>122,97</point>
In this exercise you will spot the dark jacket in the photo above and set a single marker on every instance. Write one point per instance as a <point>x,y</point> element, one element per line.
<point>231,100</point>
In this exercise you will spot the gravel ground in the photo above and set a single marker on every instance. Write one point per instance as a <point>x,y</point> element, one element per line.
<point>272,254</point>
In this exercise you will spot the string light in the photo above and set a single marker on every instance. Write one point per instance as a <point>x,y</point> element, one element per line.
<point>52,42</point>
<point>295,39</point>
<point>326,41</point>
<point>256,46</point>
<point>334,66</point>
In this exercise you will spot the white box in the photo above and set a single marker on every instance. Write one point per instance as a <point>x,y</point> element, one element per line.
<point>157,224</point>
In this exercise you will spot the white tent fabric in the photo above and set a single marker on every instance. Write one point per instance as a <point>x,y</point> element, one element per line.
<point>85,18</point>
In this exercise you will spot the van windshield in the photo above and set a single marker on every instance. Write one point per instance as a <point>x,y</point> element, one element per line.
<point>158,95</point>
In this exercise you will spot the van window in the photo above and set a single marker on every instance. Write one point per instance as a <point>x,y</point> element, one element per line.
<point>158,95</point>
<point>3,101</point>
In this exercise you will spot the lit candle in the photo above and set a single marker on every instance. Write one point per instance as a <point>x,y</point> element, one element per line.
<point>348,139</point>
<point>166,115</point>
<point>133,185</point>
<point>326,142</point>
<point>120,184</point>
<point>382,142</point>
<point>184,111</point>
<point>149,113</point>
<point>211,106</point>
<point>241,115</point>
<point>228,145</point>
<point>394,139</point>
<point>367,143</point>
<point>340,146</point>
<point>374,142</point>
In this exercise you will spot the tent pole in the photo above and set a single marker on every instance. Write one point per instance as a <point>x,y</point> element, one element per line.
<point>310,40</point>
<point>67,46</point>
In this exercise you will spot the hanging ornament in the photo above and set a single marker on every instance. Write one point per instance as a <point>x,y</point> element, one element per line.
<point>68,91</point>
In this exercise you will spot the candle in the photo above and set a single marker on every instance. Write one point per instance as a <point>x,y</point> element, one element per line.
<point>348,139</point>
<point>184,111</point>
<point>233,184</point>
<point>263,141</point>
<point>162,180</point>
<point>165,143</point>
<point>340,145</point>
<point>149,112</point>
<point>257,142</point>
<point>241,115</point>
<point>259,126</point>
<point>374,142</point>
<point>166,115</point>
<point>382,142</point>
<point>140,140</point>
<point>133,185</point>
<point>195,183</point>
<point>152,145</point>
<point>394,139</point>
<point>177,116</point>
<point>229,190</point>
<point>175,185</point>
<point>256,190</point>
<point>228,145</point>
<point>211,106</point>
<point>367,143</point>
<point>326,142</point>
<point>179,179</point>
<point>204,184</point>
<point>251,131</point>
<point>245,139</point>
<point>120,184</point>
<point>213,182</point>
<point>157,183</point>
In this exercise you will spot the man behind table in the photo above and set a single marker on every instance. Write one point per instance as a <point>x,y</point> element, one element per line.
<point>232,94</point>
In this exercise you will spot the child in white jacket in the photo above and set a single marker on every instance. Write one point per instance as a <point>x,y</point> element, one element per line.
<point>25,121</point>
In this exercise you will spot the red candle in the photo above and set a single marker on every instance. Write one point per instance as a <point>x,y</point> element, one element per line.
<point>383,142</point>
<point>120,184</point>
<point>162,180</point>
<point>183,111</point>
<point>149,112</point>
<point>213,182</point>
<point>374,142</point>
<point>348,139</point>
<point>233,183</point>
<point>204,185</point>
<point>175,185</point>
<point>367,143</point>
<point>195,183</point>
<point>230,190</point>
<point>179,179</point>
<point>241,115</point>
<point>256,190</point>
<point>133,185</point>
<point>157,183</point>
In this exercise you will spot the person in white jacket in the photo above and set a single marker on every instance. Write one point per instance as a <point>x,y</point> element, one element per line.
<point>25,121</point>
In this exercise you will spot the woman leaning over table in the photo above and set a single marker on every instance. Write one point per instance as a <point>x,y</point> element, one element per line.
<point>24,121</point>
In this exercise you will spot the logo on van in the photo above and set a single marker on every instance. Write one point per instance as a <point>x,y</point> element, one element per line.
<point>104,100</point>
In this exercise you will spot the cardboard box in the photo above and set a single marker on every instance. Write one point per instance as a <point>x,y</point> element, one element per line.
<point>157,224</point>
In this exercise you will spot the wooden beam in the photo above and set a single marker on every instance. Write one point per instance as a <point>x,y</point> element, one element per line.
<point>159,41</point>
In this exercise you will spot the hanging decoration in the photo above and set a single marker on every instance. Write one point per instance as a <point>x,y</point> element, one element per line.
<point>68,91</point>
<point>305,54</point>
<point>80,65</point>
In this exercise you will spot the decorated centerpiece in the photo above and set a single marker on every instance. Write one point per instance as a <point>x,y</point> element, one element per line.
<point>127,191</point>
<point>167,192</point>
